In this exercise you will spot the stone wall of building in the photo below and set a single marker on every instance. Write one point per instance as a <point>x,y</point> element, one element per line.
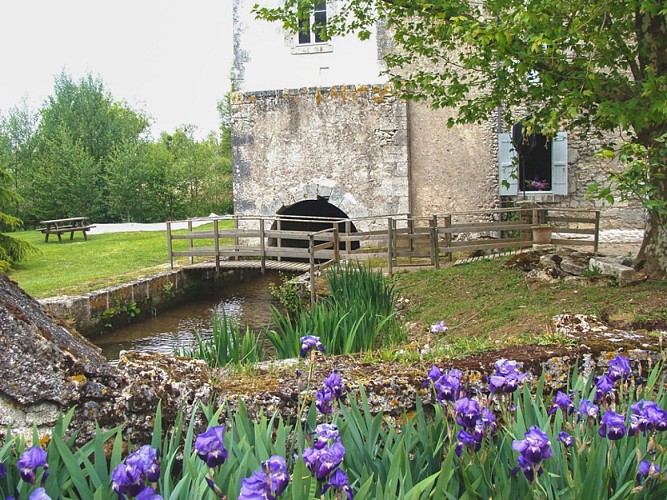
<point>347,145</point>
<point>452,169</point>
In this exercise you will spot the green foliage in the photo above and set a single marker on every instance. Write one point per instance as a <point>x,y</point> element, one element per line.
<point>229,345</point>
<point>358,314</point>
<point>413,457</point>
<point>85,153</point>
<point>12,250</point>
<point>287,293</point>
<point>641,166</point>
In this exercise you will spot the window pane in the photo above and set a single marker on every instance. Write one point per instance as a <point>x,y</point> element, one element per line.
<point>320,6</point>
<point>304,31</point>
<point>320,23</point>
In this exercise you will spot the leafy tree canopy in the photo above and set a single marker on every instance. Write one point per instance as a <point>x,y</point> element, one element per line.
<point>593,65</point>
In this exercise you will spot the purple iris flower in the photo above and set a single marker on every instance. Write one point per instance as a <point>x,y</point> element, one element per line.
<point>612,426</point>
<point>146,461</point>
<point>486,424</point>
<point>447,387</point>
<point>619,368</point>
<point>566,439</point>
<point>30,461</point>
<point>129,478</point>
<point>464,438</point>
<point>506,378</point>
<point>323,461</point>
<point>439,327</point>
<point>647,416</point>
<point>268,482</point>
<point>326,434</point>
<point>323,399</point>
<point>528,468</point>
<point>603,386</point>
<point>148,493</point>
<point>310,342</point>
<point>334,382</point>
<point>40,494</point>
<point>126,480</point>
<point>467,412</point>
<point>562,401</point>
<point>339,482</point>
<point>254,487</point>
<point>535,446</point>
<point>505,366</point>
<point>433,375</point>
<point>3,470</point>
<point>646,470</point>
<point>588,409</point>
<point>210,447</point>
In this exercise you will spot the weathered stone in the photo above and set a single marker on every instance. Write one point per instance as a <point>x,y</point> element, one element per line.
<point>624,275</point>
<point>47,368</point>
<point>574,265</point>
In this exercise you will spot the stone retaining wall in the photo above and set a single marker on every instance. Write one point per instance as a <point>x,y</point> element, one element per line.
<point>93,313</point>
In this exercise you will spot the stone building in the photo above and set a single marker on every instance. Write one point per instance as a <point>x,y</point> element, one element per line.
<point>318,130</point>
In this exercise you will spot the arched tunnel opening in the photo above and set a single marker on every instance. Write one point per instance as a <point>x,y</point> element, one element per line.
<point>326,214</point>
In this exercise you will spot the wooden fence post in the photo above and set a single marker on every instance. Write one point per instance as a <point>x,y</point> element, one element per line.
<point>169,247</point>
<point>236,236</point>
<point>448,237</point>
<point>191,258</point>
<point>390,244</point>
<point>279,239</point>
<point>216,244</point>
<point>596,238</point>
<point>262,246</point>
<point>311,254</point>
<point>433,233</point>
<point>348,242</point>
<point>336,244</point>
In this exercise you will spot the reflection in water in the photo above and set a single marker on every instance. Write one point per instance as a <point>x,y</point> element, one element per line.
<point>246,301</point>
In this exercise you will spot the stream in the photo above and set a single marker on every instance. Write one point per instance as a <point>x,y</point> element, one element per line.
<point>246,301</point>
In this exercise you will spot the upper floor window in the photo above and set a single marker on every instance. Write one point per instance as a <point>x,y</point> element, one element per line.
<point>312,27</point>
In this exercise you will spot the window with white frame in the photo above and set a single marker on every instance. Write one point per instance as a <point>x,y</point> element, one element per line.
<point>312,27</point>
<point>541,170</point>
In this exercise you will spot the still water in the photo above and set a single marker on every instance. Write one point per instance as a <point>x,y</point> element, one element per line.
<point>246,301</point>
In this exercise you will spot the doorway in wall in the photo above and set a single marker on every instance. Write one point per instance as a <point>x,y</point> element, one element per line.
<point>311,216</point>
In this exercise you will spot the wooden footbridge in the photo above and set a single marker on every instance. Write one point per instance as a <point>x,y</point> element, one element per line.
<point>311,244</point>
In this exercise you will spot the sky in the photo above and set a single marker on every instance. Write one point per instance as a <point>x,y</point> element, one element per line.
<point>169,58</point>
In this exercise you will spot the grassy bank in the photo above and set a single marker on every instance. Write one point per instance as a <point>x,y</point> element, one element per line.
<point>78,266</point>
<point>485,304</point>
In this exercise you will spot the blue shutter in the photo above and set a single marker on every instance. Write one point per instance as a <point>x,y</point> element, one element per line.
<point>507,166</point>
<point>559,164</point>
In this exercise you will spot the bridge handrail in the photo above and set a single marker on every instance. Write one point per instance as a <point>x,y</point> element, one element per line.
<point>398,236</point>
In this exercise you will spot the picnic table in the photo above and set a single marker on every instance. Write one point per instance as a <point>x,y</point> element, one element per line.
<point>69,225</point>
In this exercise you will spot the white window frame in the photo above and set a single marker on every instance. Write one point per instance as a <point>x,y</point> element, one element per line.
<point>508,163</point>
<point>313,46</point>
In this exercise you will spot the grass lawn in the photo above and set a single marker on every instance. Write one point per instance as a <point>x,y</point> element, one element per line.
<point>78,266</point>
<point>486,305</point>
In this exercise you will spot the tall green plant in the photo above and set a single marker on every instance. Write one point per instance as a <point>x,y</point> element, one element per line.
<point>358,315</point>
<point>228,345</point>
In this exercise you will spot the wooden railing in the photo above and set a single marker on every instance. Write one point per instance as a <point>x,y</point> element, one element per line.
<point>398,240</point>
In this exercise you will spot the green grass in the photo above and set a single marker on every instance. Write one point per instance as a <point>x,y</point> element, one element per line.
<point>486,300</point>
<point>78,266</point>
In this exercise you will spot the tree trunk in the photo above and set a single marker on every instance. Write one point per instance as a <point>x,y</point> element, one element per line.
<point>652,258</point>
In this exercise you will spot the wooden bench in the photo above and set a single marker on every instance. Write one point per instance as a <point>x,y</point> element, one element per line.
<point>69,225</point>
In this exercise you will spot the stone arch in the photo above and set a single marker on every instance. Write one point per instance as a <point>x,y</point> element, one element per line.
<point>322,189</point>
<point>318,207</point>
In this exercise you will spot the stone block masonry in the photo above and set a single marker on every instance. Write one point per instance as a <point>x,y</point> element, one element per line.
<point>98,311</point>
<point>345,144</point>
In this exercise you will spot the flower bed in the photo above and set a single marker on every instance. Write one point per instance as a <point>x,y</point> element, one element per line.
<point>488,436</point>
